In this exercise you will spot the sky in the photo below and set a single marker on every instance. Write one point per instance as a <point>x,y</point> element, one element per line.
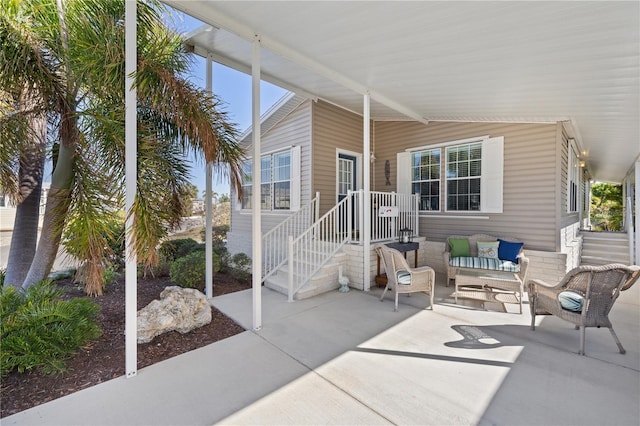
<point>233,88</point>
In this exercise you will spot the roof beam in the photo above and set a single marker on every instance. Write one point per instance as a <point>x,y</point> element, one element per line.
<point>222,21</point>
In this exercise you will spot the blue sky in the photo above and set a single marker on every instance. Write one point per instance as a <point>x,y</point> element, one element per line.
<point>233,88</point>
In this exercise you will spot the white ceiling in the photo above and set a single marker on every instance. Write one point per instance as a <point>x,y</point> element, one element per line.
<point>465,61</point>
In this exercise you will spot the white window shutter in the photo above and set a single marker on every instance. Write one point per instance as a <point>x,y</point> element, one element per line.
<point>295,179</point>
<point>492,175</point>
<point>403,175</point>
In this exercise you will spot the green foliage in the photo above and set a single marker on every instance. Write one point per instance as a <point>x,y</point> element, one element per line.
<point>190,271</point>
<point>39,330</point>
<point>110,275</point>
<point>174,249</point>
<point>218,234</point>
<point>224,198</point>
<point>241,266</point>
<point>606,207</point>
<point>3,273</point>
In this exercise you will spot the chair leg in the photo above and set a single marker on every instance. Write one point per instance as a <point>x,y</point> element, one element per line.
<point>431,295</point>
<point>396,308</point>
<point>615,337</point>
<point>582,333</point>
<point>532,307</point>
<point>384,292</point>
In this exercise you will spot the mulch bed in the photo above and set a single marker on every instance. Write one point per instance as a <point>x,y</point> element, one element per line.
<point>104,358</point>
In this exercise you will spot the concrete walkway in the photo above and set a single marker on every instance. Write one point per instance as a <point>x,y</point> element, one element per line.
<point>349,359</point>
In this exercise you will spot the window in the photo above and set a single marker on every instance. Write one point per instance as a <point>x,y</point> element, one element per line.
<point>282,181</point>
<point>466,174</point>
<point>464,168</point>
<point>573,178</point>
<point>425,172</point>
<point>279,177</point>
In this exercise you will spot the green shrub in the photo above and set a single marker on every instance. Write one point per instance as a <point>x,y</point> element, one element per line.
<point>218,234</point>
<point>190,271</point>
<point>3,273</point>
<point>39,330</point>
<point>174,249</point>
<point>241,266</point>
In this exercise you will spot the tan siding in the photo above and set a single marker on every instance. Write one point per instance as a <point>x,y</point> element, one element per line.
<point>333,128</point>
<point>295,129</point>
<point>529,178</point>
<point>566,218</point>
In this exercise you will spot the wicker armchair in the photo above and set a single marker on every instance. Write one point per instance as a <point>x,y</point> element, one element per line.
<point>599,287</point>
<point>401,278</point>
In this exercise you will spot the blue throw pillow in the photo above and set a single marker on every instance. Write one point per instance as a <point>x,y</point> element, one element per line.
<point>508,250</point>
<point>571,301</point>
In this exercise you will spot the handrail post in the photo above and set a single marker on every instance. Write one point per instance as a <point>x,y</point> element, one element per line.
<point>315,219</point>
<point>291,268</point>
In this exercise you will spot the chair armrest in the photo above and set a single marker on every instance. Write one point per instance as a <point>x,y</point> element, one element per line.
<point>421,272</point>
<point>543,288</point>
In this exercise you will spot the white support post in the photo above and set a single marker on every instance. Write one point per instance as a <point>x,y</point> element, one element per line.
<point>208,222</point>
<point>256,264</point>
<point>367,192</point>
<point>131,153</point>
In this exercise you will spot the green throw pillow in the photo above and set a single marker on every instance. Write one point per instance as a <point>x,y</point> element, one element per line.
<point>459,247</point>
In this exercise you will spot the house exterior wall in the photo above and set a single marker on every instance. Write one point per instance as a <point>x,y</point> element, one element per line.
<point>293,130</point>
<point>531,179</point>
<point>333,128</point>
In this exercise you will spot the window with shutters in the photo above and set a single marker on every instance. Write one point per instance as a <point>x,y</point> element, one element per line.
<point>462,176</point>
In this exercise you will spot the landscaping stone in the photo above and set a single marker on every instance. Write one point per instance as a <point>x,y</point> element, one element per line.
<point>179,309</point>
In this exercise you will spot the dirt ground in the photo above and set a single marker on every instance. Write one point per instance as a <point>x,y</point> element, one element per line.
<point>104,359</point>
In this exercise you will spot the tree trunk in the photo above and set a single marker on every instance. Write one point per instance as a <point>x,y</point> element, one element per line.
<point>55,213</point>
<point>25,230</point>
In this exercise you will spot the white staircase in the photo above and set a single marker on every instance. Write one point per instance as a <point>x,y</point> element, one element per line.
<point>326,279</point>
<point>600,248</point>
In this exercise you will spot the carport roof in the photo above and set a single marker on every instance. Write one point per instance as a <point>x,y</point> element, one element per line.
<point>451,61</point>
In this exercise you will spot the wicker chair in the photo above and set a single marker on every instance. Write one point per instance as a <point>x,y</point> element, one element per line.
<point>600,286</point>
<point>401,278</point>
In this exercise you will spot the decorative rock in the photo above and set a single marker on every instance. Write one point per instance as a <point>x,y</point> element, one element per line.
<point>179,309</point>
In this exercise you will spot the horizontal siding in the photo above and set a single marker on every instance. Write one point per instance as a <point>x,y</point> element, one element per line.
<point>333,128</point>
<point>293,130</point>
<point>529,178</point>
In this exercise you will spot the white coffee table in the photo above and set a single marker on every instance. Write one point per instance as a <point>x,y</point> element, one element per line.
<point>489,286</point>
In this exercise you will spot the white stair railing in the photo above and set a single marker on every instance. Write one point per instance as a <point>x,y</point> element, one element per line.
<point>386,227</point>
<point>315,247</point>
<point>274,242</point>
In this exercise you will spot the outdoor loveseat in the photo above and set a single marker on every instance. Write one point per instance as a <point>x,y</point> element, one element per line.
<point>484,252</point>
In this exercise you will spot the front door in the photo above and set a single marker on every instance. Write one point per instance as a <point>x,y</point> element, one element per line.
<point>346,182</point>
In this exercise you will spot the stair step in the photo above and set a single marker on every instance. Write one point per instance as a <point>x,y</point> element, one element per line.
<point>326,279</point>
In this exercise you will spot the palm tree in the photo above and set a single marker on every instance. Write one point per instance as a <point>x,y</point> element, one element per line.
<point>62,87</point>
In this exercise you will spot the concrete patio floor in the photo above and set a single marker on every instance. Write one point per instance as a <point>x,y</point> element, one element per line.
<point>349,359</point>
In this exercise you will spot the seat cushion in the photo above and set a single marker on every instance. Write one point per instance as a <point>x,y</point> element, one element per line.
<point>403,277</point>
<point>484,263</point>
<point>571,301</point>
<point>459,247</point>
